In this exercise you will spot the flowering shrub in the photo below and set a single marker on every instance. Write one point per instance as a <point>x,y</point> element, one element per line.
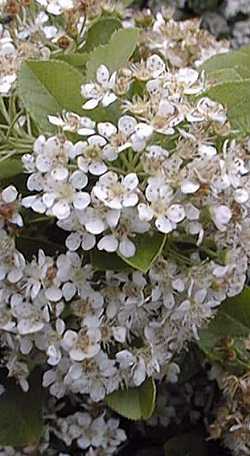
<point>124,212</point>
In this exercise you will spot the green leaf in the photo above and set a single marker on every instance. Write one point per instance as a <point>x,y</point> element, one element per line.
<point>100,32</point>
<point>134,403</point>
<point>189,444</point>
<point>127,2</point>
<point>10,167</point>
<point>232,321</point>
<point>45,87</point>
<point>233,59</point>
<point>232,66</point>
<point>115,54</point>
<point>224,75</point>
<point>21,422</point>
<point>77,59</point>
<point>235,96</point>
<point>103,261</point>
<point>148,248</point>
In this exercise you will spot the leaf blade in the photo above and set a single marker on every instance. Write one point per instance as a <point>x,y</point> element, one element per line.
<point>115,54</point>
<point>21,421</point>
<point>134,403</point>
<point>148,248</point>
<point>45,88</point>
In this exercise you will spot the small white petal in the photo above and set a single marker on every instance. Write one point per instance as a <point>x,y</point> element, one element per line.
<point>221,216</point>
<point>106,129</point>
<point>48,199</point>
<point>53,294</point>
<point>144,131</point>
<point>145,212</point>
<point>95,225</point>
<point>127,124</point>
<point>85,131</point>
<point>73,241</point>
<point>131,181</point>
<point>97,140</point>
<point>155,65</point>
<point>241,195</point>
<point>127,248</point>
<point>68,291</point>
<point>61,210</point>
<point>59,174</point>
<point>102,74</point>
<point>79,180</point>
<point>81,200</point>
<point>130,200</point>
<point>176,213</point>
<point>97,168</point>
<point>119,334</point>
<point>108,99</point>
<point>29,327</point>
<point>54,120</point>
<point>163,225</point>
<point>89,105</point>
<point>188,187</point>
<point>9,194</point>
<point>38,206</point>
<point>108,243</point>
<point>88,241</point>
<point>69,339</point>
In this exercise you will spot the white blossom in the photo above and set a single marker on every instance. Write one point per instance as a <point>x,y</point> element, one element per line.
<point>161,206</point>
<point>101,91</point>
<point>117,193</point>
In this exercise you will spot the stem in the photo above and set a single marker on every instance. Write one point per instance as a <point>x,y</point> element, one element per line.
<point>13,124</point>
<point>40,220</point>
<point>4,110</point>
<point>210,253</point>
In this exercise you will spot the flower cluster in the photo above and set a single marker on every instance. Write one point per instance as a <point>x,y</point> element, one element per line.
<point>148,196</point>
<point>231,422</point>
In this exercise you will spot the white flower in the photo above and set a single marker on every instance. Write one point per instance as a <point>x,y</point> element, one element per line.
<point>168,115</point>
<point>125,359</point>
<point>100,91</point>
<point>128,133</point>
<point>156,66</point>
<point>188,82</point>
<point>53,351</point>
<point>93,154</point>
<point>96,378</point>
<point>161,206</point>
<point>116,192</point>
<point>12,262</point>
<point>74,276</point>
<point>56,7</point>
<point>207,110</point>
<point>8,61</point>
<point>38,26</point>
<point>100,217</point>
<point>122,235</point>
<point>69,121</point>
<point>221,216</point>
<point>84,344</point>
<point>31,318</point>
<point>90,303</point>
<point>9,207</point>
<point>78,236</point>
<point>62,193</point>
<point>48,154</point>
<point>36,274</point>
